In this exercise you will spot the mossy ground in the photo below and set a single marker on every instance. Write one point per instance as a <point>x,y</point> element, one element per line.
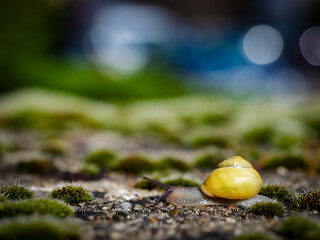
<point>253,236</point>
<point>134,164</point>
<point>35,206</point>
<point>279,193</point>
<point>145,184</point>
<point>36,166</point>
<point>16,192</point>
<point>268,209</point>
<point>71,194</point>
<point>209,161</point>
<point>298,227</point>
<point>38,228</point>
<point>309,200</point>
<point>3,198</point>
<point>182,182</point>
<point>288,161</point>
<point>156,128</point>
<point>101,158</point>
<point>172,163</point>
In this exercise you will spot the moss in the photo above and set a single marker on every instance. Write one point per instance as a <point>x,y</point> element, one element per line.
<point>209,141</point>
<point>54,147</point>
<point>36,167</point>
<point>287,161</point>
<point>3,198</point>
<point>71,194</point>
<point>35,206</point>
<point>161,131</point>
<point>297,227</point>
<point>38,228</point>
<point>101,158</point>
<point>182,182</point>
<point>89,169</point>
<point>144,184</point>
<point>309,200</point>
<point>285,141</point>
<point>134,164</point>
<point>35,119</point>
<point>172,163</point>
<point>259,136</point>
<point>214,119</point>
<point>277,192</point>
<point>268,209</point>
<point>15,192</point>
<point>253,236</point>
<point>313,122</point>
<point>207,161</point>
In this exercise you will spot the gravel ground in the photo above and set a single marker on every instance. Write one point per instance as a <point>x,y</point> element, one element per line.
<point>120,211</point>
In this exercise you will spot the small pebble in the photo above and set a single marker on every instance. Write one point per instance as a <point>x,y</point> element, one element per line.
<point>282,171</point>
<point>137,207</point>
<point>173,212</point>
<point>230,220</point>
<point>126,205</point>
<point>153,219</point>
<point>122,212</point>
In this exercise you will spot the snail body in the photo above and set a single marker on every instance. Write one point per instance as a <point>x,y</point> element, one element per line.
<point>234,182</point>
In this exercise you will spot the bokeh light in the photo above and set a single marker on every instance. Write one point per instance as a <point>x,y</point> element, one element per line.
<point>121,36</point>
<point>310,45</point>
<point>262,44</point>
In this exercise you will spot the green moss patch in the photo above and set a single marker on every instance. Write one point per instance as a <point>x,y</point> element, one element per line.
<point>3,198</point>
<point>253,236</point>
<point>89,169</point>
<point>259,136</point>
<point>182,182</point>
<point>134,164</point>
<point>172,163</point>
<point>39,228</point>
<point>36,167</point>
<point>287,161</point>
<point>145,184</point>
<point>268,209</point>
<point>209,161</point>
<point>71,194</point>
<point>297,227</point>
<point>37,119</point>
<point>277,192</point>
<point>209,141</point>
<point>35,206</point>
<point>101,158</point>
<point>309,200</point>
<point>15,192</point>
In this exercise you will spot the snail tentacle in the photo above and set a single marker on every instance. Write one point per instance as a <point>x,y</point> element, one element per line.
<point>157,182</point>
<point>163,196</point>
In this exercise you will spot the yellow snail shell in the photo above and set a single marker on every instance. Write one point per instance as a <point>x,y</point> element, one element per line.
<point>233,182</point>
<point>234,178</point>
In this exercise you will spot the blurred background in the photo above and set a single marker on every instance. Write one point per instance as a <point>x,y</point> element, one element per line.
<point>231,77</point>
<point>122,50</point>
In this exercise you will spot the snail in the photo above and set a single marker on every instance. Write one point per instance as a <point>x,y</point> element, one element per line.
<point>234,182</point>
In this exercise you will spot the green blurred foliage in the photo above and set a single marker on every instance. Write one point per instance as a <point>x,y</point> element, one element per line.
<point>172,163</point>
<point>38,228</point>
<point>33,33</point>
<point>298,227</point>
